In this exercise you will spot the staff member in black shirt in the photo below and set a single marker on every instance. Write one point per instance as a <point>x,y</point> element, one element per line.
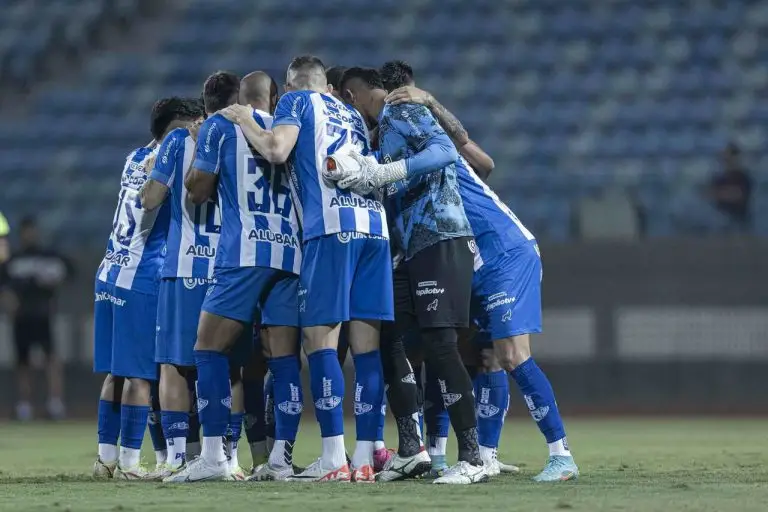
<point>33,275</point>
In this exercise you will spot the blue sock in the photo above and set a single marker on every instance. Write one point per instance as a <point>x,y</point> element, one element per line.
<point>491,403</point>
<point>540,399</point>
<point>288,397</point>
<point>369,393</point>
<point>269,406</point>
<point>155,421</point>
<point>214,395</point>
<point>382,419</point>
<point>234,430</point>
<point>109,422</point>
<point>253,398</point>
<point>175,425</point>
<point>327,383</point>
<point>435,413</point>
<point>133,422</point>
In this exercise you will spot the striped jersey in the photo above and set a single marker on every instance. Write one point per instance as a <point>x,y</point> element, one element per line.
<point>193,233</point>
<point>136,246</point>
<point>496,228</point>
<point>259,226</point>
<point>325,126</point>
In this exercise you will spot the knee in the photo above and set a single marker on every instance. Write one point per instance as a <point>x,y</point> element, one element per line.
<point>512,352</point>
<point>281,341</point>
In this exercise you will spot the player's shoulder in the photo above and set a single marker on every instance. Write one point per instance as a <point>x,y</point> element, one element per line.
<point>178,134</point>
<point>409,112</point>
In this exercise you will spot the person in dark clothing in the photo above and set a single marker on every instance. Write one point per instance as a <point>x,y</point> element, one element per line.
<point>730,190</point>
<point>32,276</point>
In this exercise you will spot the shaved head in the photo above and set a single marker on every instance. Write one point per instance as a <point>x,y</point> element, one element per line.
<point>258,90</point>
<point>307,73</point>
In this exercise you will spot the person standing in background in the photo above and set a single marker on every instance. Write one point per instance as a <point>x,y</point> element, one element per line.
<point>32,276</point>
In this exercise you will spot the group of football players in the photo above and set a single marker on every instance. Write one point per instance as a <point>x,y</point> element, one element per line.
<point>353,207</point>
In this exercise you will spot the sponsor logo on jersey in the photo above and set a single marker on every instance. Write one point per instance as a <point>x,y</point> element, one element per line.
<point>497,300</point>
<point>472,246</point>
<point>190,283</point>
<point>201,251</point>
<point>355,202</point>
<point>432,306</point>
<point>134,180</point>
<point>267,235</point>
<point>506,317</point>
<point>118,258</point>
<point>428,288</point>
<point>104,296</point>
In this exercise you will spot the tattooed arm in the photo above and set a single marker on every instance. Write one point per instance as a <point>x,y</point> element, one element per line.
<point>480,161</point>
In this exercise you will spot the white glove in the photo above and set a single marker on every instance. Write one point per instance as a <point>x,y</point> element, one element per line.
<point>372,175</point>
<point>340,165</point>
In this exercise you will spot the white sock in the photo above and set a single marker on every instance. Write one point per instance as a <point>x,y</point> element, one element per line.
<point>177,450</point>
<point>334,456</point>
<point>363,454</point>
<point>129,457</point>
<point>379,445</point>
<point>258,452</point>
<point>559,447</point>
<point>278,456</point>
<point>193,450</point>
<point>440,444</point>
<point>232,453</point>
<point>487,453</point>
<point>213,450</point>
<point>107,453</point>
<point>161,456</point>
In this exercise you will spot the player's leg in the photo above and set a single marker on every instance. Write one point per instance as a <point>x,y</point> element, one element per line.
<point>53,371</point>
<point>228,308</point>
<point>253,399</point>
<point>436,421</point>
<point>112,388</point>
<point>511,323</point>
<point>491,404</point>
<point>193,437</point>
<point>323,298</point>
<point>21,334</point>
<point>237,412</point>
<point>155,427</point>
<point>441,277</point>
<point>133,357</point>
<point>411,459</point>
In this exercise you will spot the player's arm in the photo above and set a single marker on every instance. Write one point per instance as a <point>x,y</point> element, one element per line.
<point>156,188</point>
<point>480,161</point>
<point>202,178</point>
<point>273,145</point>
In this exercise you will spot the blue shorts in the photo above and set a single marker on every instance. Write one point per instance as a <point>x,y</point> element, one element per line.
<point>506,294</point>
<point>178,312</point>
<point>124,332</point>
<point>240,292</point>
<point>346,276</point>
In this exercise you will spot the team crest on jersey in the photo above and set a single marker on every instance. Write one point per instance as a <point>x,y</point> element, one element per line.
<point>472,246</point>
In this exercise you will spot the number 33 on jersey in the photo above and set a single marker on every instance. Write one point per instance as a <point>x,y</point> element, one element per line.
<point>259,224</point>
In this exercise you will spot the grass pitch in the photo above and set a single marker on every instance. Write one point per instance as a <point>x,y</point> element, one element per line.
<point>643,465</point>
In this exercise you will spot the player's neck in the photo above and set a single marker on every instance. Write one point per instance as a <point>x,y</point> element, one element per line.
<point>260,105</point>
<point>378,102</point>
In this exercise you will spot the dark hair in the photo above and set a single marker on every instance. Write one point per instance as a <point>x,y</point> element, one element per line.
<point>306,61</point>
<point>167,110</point>
<point>396,73</point>
<point>220,89</point>
<point>28,222</point>
<point>333,75</point>
<point>370,76</point>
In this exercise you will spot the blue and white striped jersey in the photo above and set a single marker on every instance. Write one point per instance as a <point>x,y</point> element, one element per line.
<point>496,228</point>
<point>193,233</point>
<point>136,246</point>
<point>259,226</point>
<point>326,125</point>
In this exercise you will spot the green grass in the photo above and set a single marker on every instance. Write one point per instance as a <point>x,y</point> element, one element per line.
<point>644,465</point>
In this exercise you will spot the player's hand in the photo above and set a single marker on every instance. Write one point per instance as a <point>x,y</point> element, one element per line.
<point>362,181</point>
<point>409,94</point>
<point>237,113</point>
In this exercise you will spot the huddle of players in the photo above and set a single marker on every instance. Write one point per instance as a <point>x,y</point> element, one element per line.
<point>301,237</point>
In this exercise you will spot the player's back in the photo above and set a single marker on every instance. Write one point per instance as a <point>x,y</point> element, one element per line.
<point>136,245</point>
<point>193,233</point>
<point>326,126</point>
<point>428,208</point>
<point>259,225</point>
<point>496,228</point>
